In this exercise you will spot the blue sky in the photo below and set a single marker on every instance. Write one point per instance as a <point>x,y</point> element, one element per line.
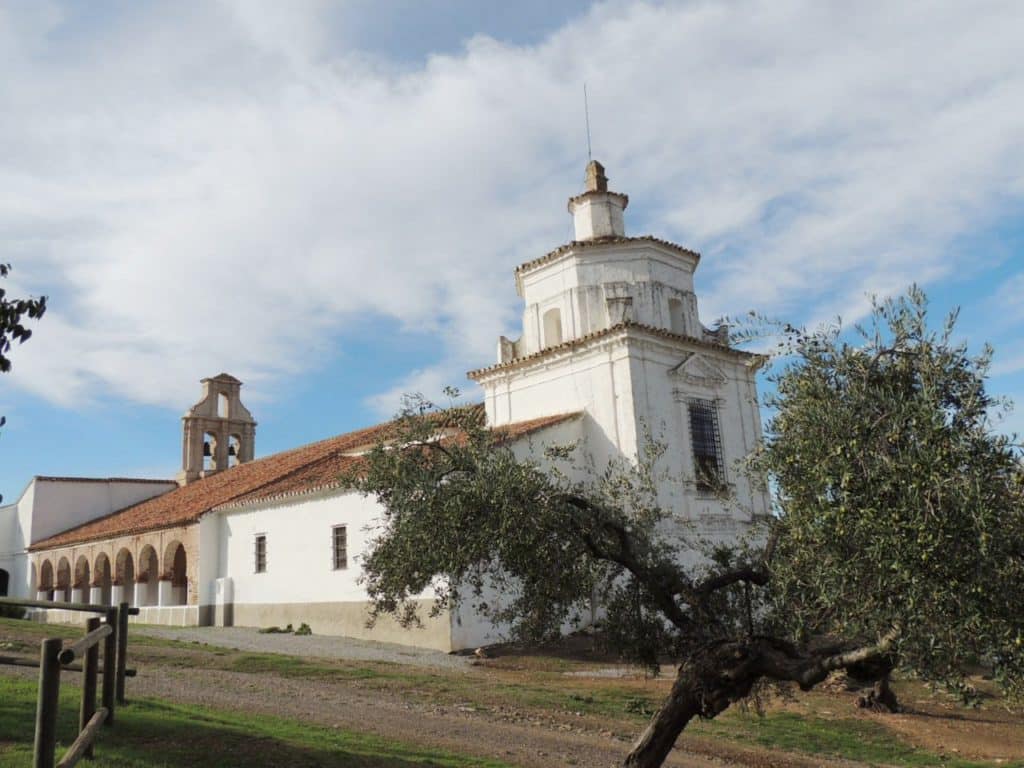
<point>327,199</point>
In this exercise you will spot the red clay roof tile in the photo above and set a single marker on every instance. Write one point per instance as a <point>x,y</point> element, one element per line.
<point>300,470</point>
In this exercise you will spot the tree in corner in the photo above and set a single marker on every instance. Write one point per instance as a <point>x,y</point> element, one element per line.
<point>12,311</point>
<point>897,539</point>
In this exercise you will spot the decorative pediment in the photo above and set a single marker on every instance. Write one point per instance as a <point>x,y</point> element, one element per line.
<point>697,371</point>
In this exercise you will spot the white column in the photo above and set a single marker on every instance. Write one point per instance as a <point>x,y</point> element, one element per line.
<point>96,595</point>
<point>116,594</point>
<point>43,594</point>
<point>77,595</point>
<point>166,593</point>
<point>140,593</point>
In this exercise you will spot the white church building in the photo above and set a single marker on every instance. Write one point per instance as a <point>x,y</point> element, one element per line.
<point>611,348</point>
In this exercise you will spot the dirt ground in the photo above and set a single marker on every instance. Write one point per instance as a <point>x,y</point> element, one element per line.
<point>467,708</point>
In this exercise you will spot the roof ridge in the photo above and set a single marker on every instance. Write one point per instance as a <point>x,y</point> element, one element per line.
<point>606,240</point>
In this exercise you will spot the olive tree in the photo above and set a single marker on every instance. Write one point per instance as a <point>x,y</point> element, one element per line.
<point>898,536</point>
<point>12,314</point>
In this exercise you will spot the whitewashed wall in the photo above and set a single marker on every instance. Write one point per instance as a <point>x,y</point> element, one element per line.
<point>299,549</point>
<point>62,504</point>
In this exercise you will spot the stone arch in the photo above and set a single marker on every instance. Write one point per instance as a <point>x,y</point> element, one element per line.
<point>176,572</point>
<point>45,581</point>
<point>147,589</point>
<point>63,589</point>
<point>80,581</point>
<point>124,576</point>
<point>102,580</point>
<point>552,327</point>
<point>82,573</point>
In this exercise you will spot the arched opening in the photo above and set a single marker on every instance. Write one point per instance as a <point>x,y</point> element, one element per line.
<point>209,452</point>
<point>124,576</point>
<point>148,580</point>
<point>5,581</point>
<point>175,564</point>
<point>46,580</point>
<point>222,405</point>
<point>102,580</point>
<point>81,584</point>
<point>234,448</point>
<point>63,591</point>
<point>675,316</point>
<point>552,327</point>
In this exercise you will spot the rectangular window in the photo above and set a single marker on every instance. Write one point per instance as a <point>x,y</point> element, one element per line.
<point>339,544</point>
<point>706,440</point>
<point>261,553</point>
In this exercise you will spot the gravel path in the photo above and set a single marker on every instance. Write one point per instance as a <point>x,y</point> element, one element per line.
<point>310,646</point>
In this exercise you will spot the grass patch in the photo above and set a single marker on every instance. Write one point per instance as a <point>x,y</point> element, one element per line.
<point>151,733</point>
<point>862,740</point>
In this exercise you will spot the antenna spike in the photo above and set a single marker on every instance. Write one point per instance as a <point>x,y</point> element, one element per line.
<point>586,112</point>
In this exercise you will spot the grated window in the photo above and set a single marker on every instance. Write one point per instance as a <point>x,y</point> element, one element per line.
<point>261,553</point>
<point>706,439</point>
<point>339,541</point>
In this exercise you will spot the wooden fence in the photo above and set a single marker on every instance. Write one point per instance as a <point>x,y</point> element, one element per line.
<point>54,657</point>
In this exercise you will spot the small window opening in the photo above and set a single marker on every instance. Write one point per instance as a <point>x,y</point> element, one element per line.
<point>261,553</point>
<point>222,405</point>
<point>675,316</point>
<point>552,327</point>
<point>339,543</point>
<point>706,440</point>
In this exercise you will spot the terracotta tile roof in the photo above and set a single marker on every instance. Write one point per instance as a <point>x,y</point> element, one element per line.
<point>578,245</point>
<point>56,479</point>
<point>301,470</point>
<point>594,335</point>
<point>323,475</point>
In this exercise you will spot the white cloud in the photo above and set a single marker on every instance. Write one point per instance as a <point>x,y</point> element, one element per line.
<point>211,187</point>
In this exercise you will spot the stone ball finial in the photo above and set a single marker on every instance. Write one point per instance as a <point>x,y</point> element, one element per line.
<point>596,180</point>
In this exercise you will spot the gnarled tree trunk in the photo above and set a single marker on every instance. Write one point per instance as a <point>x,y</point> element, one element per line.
<point>704,687</point>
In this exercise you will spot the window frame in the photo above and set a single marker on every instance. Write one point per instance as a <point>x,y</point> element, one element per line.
<point>259,557</point>
<point>706,446</point>
<point>334,547</point>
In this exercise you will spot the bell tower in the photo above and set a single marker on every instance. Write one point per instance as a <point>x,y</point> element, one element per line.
<point>219,431</point>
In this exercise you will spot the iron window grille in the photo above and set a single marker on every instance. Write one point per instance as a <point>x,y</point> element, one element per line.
<point>706,439</point>
<point>261,553</point>
<point>339,547</point>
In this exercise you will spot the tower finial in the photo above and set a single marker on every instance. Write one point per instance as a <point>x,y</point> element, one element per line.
<point>596,180</point>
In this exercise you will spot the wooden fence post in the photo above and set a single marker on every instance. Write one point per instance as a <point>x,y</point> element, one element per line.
<point>110,664</point>
<point>46,709</point>
<point>122,649</point>
<point>90,665</point>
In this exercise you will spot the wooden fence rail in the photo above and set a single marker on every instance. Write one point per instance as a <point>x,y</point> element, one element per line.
<point>54,657</point>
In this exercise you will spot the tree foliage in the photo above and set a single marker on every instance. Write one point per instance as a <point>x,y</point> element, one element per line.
<point>898,534</point>
<point>900,504</point>
<point>12,312</point>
